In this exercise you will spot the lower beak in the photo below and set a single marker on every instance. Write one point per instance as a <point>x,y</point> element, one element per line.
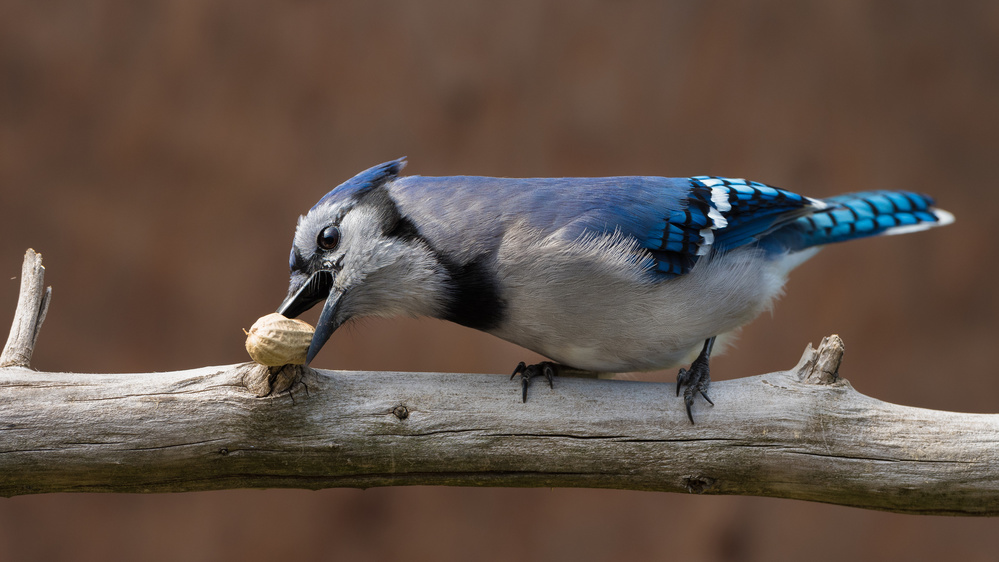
<point>317,288</point>
<point>329,321</point>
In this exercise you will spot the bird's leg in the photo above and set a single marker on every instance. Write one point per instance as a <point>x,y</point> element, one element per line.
<point>696,379</point>
<point>527,372</point>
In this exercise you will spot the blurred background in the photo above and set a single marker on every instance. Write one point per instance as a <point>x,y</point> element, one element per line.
<point>158,155</point>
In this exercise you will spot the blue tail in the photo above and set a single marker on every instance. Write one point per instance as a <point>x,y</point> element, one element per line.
<point>859,215</point>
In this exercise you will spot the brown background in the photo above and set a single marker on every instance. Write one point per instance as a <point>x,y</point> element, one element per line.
<point>158,155</point>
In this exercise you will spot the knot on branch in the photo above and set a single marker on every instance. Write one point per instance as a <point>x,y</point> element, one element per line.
<point>263,381</point>
<point>821,366</point>
<point>698,484</point>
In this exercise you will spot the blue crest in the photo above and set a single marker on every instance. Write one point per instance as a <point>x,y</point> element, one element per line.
<point>364,182</point>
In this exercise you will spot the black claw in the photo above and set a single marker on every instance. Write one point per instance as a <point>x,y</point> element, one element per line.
<point>521,367</point>
<point>525,377</point>
<point>527,372</point>
<point>695,380</point>
<point>682,378</point>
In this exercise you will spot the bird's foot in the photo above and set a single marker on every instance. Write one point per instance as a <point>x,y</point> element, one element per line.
<point>694,381</point>
<point>527,372</point>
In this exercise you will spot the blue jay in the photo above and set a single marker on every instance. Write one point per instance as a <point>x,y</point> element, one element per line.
<point>606,275</point>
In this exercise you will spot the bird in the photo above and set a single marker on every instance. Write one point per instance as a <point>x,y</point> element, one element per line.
<point>597,274</point>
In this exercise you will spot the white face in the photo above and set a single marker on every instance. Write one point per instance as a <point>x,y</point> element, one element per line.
<point>342,248</point>
<point>364,247</point>
<point>378,274</point>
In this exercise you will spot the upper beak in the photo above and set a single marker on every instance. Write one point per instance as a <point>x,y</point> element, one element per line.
<point>317,288</point>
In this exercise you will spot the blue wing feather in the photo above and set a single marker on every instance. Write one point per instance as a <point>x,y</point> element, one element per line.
<point>676,220</point>
<point>754,209</point>
<point>858,215</point>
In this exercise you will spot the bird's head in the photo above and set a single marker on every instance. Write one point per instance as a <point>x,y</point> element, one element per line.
<point>358,255</point>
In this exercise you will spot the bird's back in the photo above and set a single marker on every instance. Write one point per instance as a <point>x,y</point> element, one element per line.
<point>467,214</point>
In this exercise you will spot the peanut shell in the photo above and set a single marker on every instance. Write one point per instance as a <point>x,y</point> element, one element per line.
<point>274,340</point>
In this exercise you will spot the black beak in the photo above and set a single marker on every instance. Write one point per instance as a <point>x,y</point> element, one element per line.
<point>315,289</point>
<point>319,287</point>
<point>328,323</point>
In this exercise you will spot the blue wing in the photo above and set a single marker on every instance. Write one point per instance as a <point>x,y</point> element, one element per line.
<point>721,214</point>
<point>677,220</point>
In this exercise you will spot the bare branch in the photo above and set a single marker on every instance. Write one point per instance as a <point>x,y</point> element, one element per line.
<point>32,306</point>
<point>803,434</point>
<point>771,435</point>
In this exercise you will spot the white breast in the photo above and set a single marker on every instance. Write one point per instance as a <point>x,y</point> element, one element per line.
<point>592,303</point>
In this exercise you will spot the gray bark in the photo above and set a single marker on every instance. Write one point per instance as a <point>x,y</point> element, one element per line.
<point>32,305</point>
<point>803,433</point>
<point>779,435</point>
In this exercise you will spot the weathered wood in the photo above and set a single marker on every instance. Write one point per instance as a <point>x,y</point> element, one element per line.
<point>32,305</point>
<point>777,435</point>
<point>803,433</point>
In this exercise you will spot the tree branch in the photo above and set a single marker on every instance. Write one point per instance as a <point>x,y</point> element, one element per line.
<point>803,433</point>
<point>32,305</point>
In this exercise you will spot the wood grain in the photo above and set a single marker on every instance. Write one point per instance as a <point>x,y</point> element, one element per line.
<point>777,435</point>
<point>32,305</point>
<point>804,433</point>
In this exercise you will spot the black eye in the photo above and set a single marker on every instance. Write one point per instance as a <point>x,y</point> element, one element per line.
<point>329,238</point>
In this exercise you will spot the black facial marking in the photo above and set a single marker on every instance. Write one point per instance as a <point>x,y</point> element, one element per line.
<point>404,229</point>
<point>476,301</point>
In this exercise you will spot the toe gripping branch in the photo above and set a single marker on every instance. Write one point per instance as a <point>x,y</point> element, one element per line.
<point>693,381</point>
<point>697,379</point>
<point>527,372</point>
